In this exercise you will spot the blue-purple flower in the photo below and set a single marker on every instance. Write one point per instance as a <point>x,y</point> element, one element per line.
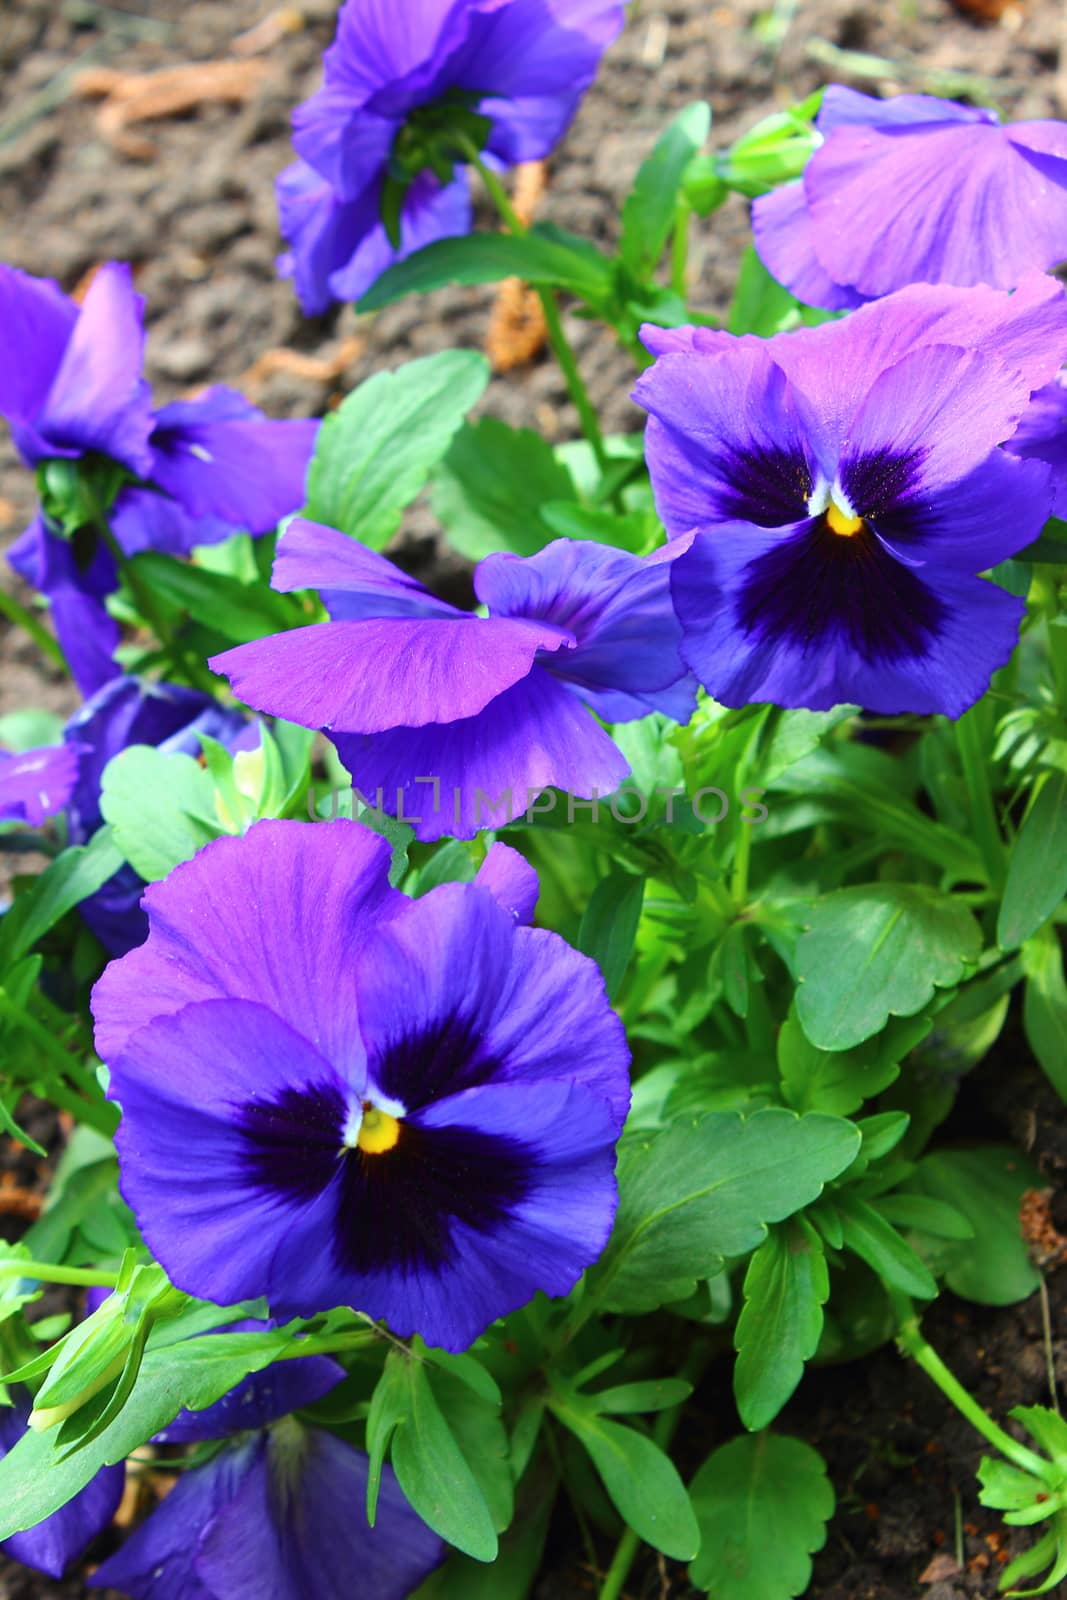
<point>192,473</point>
<point>457,722</point>
<point>408,1107</point>
<point>51,1545</point>
<point>36,784</point>
<point>845,487</point>
<point>915,190</point>
<point>381,172</point>
<point>279,1510</point>
<point>128,711</point>
<point>1042,436</point>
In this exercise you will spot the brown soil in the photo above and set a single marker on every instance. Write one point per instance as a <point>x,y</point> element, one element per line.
<point>188,199</point>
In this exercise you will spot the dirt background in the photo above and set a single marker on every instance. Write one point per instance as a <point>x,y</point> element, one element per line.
<point>188,200</point>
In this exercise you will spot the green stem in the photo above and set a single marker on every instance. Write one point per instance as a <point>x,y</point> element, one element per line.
<point>553,322</point>
<point>911,1341</point>
<point>980,795</point>
<point>22,617</point>
<point>326,1344</point>
<point>680,248</point>
<point>47,1272</point>
<point>198,674</point>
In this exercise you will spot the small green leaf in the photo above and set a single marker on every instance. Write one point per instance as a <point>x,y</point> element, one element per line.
<point>1045,1006</point>
<point>786,1286</point>
<point>633,530</point>
<point>762,1503</point>
<point>902,940</point>
<point>868,1235</point>
<point>838,1081</point>
<point>985,1186</point>
<point>69,879</point>
<point>388,1409</point>
<point>477,1427</point>
<point>374,453</point>
<point>1037,872</point>
<point>648,210</point>
<point>704,1189</point>
<point>643,1482</point>
<point>238,611</point>
<point>488,257</point>
<point>654,1394</point>
<point>161,808</point>
<point>434,1474</point>
<point>486,491</point>
<point>609,926</point>
<point>760,305</point>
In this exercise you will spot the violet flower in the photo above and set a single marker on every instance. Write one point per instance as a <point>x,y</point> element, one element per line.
<point>915,190</point>
<point>53,1544</point>
<point>409,1107</point>
<point>382,172</point>
<point>36,784</point>
<point>845,487</point>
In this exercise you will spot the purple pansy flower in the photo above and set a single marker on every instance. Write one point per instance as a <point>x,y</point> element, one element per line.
<point>457,722</point>
<point>35,784</point>
<point>124,712</point>
<point>1042,436</point>
<point>198,470</point>
<point>394,78</point>
<point>50,1546</point>
<point>280,1505</point>
<point>845,488</point>
<point>915,190</point>
<point>409,1107</point>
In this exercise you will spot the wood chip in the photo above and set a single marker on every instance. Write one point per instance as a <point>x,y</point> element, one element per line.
<point>132,97</point>
<point>297,364</point>
<point>942,1566</point>
<point>517,331</point>
<point>265,35</point>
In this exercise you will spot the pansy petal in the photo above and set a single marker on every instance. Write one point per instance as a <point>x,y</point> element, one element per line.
<point>323,232</point>
<point>483,1002</point>
<point>98,400</point>
<point>35,784</point>
<point>355,581</point>
<point>259,1399</point>
<point>725,440</point>
<point>1042,436</point>
<point>347,144</point>
<point>976,523</point>
<point>785,240</point>
<point>430,212</point>
<point>87,633</point>
<point>299,1517</point>
<point>265,1114</point>
<point>486,771</point>
<point>841,108</point>
<point>618,608</point>
<point>36,321</point>
<point>511,881</point>
<point>52,1544</point>
<point>801,617</point>
<point>372,675</point>
<point>275,916</point>
<point>145,519</point>
<point>157,1561</point>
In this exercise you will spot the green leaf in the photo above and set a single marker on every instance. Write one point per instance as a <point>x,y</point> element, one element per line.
<point>648,210</point>
<point>762,1504</point>
<point>36,1480</point>
<point>609,926</point>
<point>633,530</point>
<point>875,951</point>
<point>760,304</point>
<point>482,1438</point>
<point>654,1394</point>
<point>704,1189</point>
<point>868,1235</point>
<point>388,1408</point>
<point>1045,1006</point>
<point>838,1081</point>
<point>239,611</point>
<point>434,1474</point>
<point>1037,872</point>
<point>374,453</point>
<point>69,879</point>
<point>488,257</point>
<point>643,1482</point>
<point>786,1286</point>
<point>161,808</point>
<point>486,491</point>
<point>985,1185</point>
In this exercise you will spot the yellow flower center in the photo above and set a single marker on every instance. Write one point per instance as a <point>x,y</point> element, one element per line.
<point>842,522</point>
<point>378,1132</point>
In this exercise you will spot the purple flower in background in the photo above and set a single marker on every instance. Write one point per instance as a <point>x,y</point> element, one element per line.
<point>1042,436</point>
<point>915,190</point>
<point>382,131</point>
<point>409,1107</point>
<point>845,487</point>
<point>410,689</point>
<point>125,712</point>
<point>281,1504</point>
<point>195,471</point>
<point>53,1544</point>
<point>35,784</point>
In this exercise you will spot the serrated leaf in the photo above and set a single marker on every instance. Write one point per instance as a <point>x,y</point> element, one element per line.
<point>161,808</point>
<point>486,490</point>
<point>1037,871</point>
<point>762,1503</point>
<point>838,1081</point>
<point>648,210</point>
<point>642,1481</point>
<point>374,453</point>
<point>985,1185</point>
<point>706,1188</point>
<point>902,941</point>
<point>786,1286</point>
